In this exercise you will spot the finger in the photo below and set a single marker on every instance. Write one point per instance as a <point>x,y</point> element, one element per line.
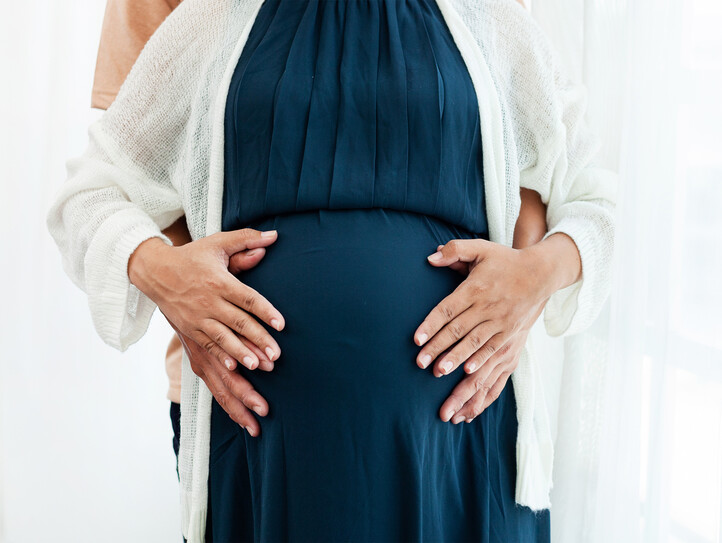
<point>252,301</point>
<point>495,344</point>
<point>473,337</point>
<point>461,267</point>
<point>233,241</point>
<point>201,348</point>
<point>474,362</point>
<point>459,250</point>
<point>469,386</point>
<point>495,391</point>
<point>445,311</point>
<point>475,406</point>
<point>264,363</point>
<point>245,260</point>
<point>219,334</point>
<point>231,404</point>
<point>247,326</point>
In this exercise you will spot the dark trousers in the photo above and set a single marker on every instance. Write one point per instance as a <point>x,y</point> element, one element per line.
<point>175,421</point>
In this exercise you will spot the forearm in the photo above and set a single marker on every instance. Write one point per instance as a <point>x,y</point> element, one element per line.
<point>178,232</point>
<point>531,224</point>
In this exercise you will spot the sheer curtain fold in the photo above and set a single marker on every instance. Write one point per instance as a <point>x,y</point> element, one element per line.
<point>639,439</point>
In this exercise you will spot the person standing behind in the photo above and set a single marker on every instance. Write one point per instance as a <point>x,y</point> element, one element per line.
<point>127,26</point>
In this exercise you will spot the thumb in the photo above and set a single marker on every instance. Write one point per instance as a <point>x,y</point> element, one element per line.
<point>459,250</point>
<point>245,260</point>
<point>234,241</point>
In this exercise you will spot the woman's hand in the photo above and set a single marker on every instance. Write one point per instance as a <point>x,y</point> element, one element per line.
<point>502,292</point>
<point>486,320</point>
<point>195,290</point>
<point>232,391</point>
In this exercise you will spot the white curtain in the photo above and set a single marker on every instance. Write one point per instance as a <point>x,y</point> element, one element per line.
<point>85,434</point>
<point>644,461</point>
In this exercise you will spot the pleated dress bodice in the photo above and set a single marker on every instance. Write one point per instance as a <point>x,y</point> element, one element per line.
<point>352,128</point>
<point>353,104</point>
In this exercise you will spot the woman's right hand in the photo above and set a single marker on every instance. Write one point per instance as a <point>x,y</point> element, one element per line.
<point>193,287</point>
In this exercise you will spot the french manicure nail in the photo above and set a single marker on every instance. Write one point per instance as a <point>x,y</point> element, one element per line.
<point>472,367</point>
<point>249,361</point>
<point>446,366</point>
<point>228,362</point>
<point>276,324</point>
<point>425,360</point>
<point>270,353</point>
<point>423,338</point>
<point>268,234</point>
<point>436,256</point>
<point>257,409</point>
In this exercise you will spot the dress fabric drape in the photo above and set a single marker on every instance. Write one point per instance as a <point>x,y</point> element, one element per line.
<point>353,129</point>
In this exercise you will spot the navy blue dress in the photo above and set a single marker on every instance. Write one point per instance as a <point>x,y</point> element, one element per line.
<point>352,128</point>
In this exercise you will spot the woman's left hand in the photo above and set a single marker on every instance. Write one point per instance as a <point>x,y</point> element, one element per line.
<point>485,321</point>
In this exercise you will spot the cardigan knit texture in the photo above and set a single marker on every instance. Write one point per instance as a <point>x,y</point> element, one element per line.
<point>157,153</point>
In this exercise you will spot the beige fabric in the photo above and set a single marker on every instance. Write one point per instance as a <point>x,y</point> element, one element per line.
<point>127,25</point>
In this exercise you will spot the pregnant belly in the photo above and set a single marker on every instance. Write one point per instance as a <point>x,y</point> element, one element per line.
<point>353,286</point>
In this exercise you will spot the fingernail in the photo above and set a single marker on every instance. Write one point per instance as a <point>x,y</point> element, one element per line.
<point>268,234</point>
<point>252,252</point>
<point>249,361</point>
<point>257,409</point>
<point>228,362</point>
<point>422,338</point>
<point>436,256</point>
<point>425,360</point>
<point>472,367</point>
<point>276,324</point>
<point>270,353</point>
<point>446,366</point>
<point>457,420</point>
<point>250,431</point>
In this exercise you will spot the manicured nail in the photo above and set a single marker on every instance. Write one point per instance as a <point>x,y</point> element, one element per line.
<point>446,366</point>
<point>228,362</point>
<point>423,338</point>
<point>276,324</point>
<point>425,360</point>
<point>457,420</point>
<point>252,252</point>
<point>270,353</point>
<point>250,431</point>
<point>472,367</point>
<point>436,256</point>
<point>249,361</point>
<point>268,234</point>
<point>257,409</point>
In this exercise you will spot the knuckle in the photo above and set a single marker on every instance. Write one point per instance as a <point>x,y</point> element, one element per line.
<point>446,311</point>
<point>456,330</point>
<point>222,399</point>
<point>249,301</point>
<point>475,341</point>
<point>240,324</point>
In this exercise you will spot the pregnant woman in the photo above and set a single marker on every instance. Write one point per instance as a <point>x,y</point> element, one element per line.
<point>352,134</point>
<point>363,162</point>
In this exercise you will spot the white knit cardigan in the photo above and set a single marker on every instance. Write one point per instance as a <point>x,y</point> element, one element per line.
<point>157,154</point>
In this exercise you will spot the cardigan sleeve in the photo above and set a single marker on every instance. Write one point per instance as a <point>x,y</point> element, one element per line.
<point>556,157</point>
<point>580,198</point>
<point>98,218</point>
<point>121,190</point>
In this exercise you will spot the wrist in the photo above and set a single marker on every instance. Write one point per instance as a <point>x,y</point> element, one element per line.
<point>142,261</point>
<point>556,262</point>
